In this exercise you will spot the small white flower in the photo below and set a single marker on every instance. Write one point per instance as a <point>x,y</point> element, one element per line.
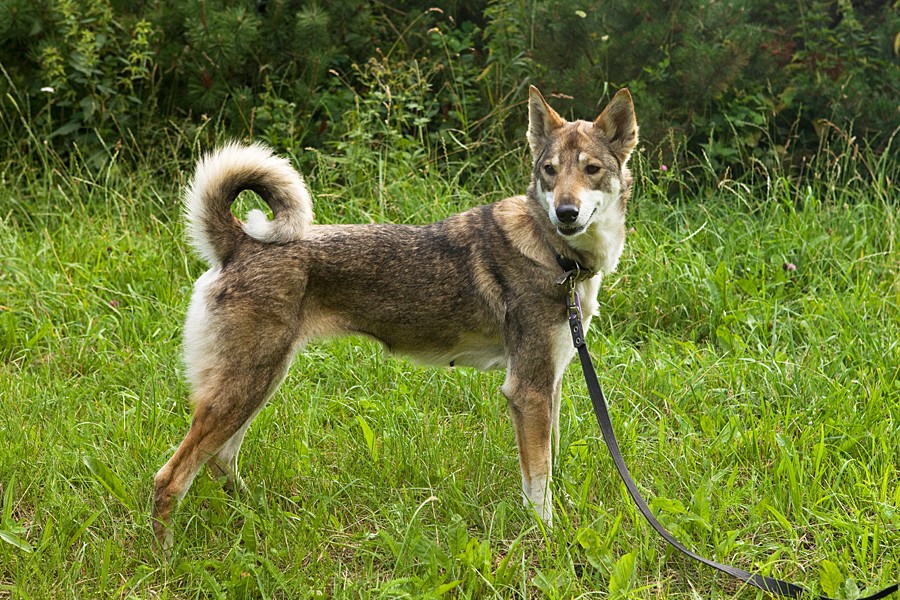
<point>48,89</point>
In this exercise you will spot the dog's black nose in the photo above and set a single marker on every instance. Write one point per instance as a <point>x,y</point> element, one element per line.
<point>567,213</point>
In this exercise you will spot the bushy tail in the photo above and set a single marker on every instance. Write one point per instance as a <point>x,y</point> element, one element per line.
<point>221,175</point>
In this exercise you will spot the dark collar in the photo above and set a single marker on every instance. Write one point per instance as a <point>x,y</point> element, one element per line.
<point>572,270</point>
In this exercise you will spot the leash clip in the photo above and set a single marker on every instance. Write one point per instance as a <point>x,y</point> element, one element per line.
<point>573,306</point>
<point>573,303</point>
<point>573,272</point>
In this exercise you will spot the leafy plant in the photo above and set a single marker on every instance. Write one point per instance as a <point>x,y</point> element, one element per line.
<point>10,530</point>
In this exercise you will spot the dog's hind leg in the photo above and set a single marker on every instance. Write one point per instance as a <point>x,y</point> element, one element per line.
<point>224,463</point>
<point>225,401</point>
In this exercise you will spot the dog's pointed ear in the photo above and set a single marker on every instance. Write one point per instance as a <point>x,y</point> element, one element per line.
<point>618,125</point>
<point>542,121</point>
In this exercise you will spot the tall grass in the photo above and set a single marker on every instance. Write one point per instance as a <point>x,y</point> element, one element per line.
<point>750,345</point>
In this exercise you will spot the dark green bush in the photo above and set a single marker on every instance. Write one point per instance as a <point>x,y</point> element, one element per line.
<point>734,78</point>
<point>732,83</point>
<point>74,71</point>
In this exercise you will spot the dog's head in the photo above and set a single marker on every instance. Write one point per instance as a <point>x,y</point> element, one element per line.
<point>580,171</point>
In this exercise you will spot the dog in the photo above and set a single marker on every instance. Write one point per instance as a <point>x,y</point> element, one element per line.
<point>480,289</point>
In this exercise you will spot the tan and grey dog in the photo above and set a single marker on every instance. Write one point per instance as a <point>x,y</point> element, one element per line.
<point>478,289</point>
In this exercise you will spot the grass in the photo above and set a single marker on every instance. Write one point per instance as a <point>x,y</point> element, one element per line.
<point>749,344</point>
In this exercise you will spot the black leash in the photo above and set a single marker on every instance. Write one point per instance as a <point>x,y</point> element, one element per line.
<point>575,272</point>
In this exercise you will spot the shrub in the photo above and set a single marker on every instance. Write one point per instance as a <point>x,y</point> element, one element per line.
<point>731,83</point>
<point>85,71</point>
<point>734,79</point>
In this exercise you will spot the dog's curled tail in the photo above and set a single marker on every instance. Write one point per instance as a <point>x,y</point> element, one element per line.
<point>223,174</point>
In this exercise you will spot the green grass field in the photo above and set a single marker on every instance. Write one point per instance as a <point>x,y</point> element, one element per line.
<point>749,346</point>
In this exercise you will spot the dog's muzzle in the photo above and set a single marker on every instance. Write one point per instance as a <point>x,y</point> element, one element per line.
<point>566,220</point>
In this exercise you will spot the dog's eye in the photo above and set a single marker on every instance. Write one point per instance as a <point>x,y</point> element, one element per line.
<point>549,170</point>
<point>592,169</point>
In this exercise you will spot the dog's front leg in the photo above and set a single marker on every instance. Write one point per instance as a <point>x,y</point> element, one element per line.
<point>530,394</point>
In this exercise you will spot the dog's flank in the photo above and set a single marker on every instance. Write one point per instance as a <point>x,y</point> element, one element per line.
<point>476,289</point>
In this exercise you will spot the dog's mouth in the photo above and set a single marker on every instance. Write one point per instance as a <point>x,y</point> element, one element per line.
<point>570,230</point>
